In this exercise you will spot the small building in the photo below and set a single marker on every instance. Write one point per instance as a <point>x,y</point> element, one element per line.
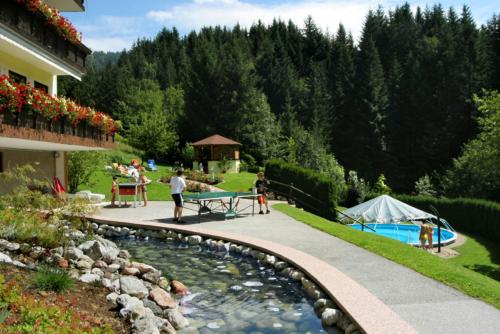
<point>218,154</point>
<point>35,49</point>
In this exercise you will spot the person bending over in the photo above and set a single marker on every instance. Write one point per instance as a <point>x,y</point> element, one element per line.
<point>177,186</point>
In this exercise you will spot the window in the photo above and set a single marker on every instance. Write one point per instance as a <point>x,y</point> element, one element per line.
<point>20,79</point>
<point>41,86</point>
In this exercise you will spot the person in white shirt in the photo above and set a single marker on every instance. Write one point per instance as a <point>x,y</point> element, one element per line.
<point>177,186</point>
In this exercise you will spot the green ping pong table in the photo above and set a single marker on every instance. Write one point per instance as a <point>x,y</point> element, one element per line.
<point>225,202</point>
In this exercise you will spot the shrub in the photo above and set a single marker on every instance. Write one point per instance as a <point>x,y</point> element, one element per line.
<point>254,169</point>
<point>381,187</point>
<point>52,279</point>
<point>469,215</point>
<point>323,189</point>
<point>356,189</point>
<point>424,186</point>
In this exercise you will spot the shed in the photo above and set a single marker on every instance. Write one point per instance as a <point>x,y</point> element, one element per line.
<point>217,154</point>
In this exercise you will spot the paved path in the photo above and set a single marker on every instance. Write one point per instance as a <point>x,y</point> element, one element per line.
<point>428,306</point>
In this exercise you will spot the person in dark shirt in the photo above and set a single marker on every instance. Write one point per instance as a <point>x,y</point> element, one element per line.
<point>261,185</point>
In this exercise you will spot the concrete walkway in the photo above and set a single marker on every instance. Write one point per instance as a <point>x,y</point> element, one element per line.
<point>428,306</point>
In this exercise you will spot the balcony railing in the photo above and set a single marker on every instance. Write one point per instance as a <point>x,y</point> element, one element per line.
<point>60,126</point>
<point>35,28</point>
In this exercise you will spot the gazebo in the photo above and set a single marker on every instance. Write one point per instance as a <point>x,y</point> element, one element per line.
<point>217,154</point>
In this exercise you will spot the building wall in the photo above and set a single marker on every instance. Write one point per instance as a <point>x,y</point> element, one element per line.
<point>43,161</point>
<point>9,63</point>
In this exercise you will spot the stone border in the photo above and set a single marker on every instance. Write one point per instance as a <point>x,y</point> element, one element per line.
<point>369,313</point>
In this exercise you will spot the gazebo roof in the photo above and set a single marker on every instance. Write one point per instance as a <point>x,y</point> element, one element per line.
<point>215,140</point>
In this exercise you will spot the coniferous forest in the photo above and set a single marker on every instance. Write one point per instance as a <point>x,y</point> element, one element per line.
<point>399,101</point>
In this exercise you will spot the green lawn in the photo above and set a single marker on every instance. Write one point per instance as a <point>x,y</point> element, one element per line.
<point>481,255</point>
<point>450,272</point>
<point>238,182</point>
<point>100,183</point>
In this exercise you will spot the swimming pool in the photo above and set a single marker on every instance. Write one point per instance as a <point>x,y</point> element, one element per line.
<point>407,233</point>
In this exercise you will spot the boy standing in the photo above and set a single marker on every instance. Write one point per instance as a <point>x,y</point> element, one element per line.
<point>261,185</point>
<point>177,185</point>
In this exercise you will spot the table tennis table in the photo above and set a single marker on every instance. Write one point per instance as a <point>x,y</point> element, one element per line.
<point>225,202</point>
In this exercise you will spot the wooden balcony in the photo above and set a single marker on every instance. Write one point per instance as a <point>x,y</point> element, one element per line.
<point>32,127</point>
<point>34,27</point>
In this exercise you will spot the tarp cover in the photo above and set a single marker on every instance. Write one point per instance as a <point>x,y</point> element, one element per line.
<point>385,209</point>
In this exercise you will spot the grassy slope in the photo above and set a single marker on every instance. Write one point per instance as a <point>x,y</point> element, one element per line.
<point>481,255</point>
<point>445,271</point>
<point>238,182</point>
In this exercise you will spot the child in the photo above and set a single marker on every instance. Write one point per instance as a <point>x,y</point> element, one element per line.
<point>144,181</point>
<point>114,187</point>
<point>261,185</point>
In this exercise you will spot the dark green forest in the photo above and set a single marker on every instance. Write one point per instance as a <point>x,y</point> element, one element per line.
<point>400,101</point>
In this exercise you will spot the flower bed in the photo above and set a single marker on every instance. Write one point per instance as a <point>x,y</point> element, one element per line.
<point>54,18</point>
<point>20,99</point>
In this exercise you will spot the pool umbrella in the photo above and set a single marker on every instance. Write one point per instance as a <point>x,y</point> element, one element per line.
<point>384,210</point>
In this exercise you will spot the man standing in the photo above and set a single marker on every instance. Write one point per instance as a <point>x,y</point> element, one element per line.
<point>177,186</point>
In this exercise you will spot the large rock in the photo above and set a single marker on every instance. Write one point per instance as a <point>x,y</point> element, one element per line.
<point>162,298</point>
<point>86,245</point>
<point>82,264</point>
<point>130,271</point>
<point>194,240</point>
<point>100,250</point>
<point>124,254</point>
<point>73,253</point>
<point>5,258</point>
<point>178,288</point>
<point>112,268</point>
<point>176,319</point>
<point>89,278</point>
<point>158,311</point>
<point>152,276</point>
<point>133,286</point>
<point>143,268</point>
<point>129,304</point>
<point>100,264</point>
<point>9,246</point>
<point>111,298</point>
<point>143,321</point>
<point>330,316</point>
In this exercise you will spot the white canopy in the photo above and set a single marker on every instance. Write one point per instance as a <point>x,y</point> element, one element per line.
<point>385,209</point>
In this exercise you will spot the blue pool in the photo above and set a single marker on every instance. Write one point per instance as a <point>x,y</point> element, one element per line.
<point>407,233</point>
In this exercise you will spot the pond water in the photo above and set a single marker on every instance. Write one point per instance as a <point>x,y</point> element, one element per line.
<point>229,293</point>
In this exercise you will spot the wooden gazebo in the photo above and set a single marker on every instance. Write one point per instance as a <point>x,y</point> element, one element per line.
<point>217,154</point>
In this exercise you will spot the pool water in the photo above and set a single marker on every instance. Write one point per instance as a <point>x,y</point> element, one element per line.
<point>407,233</point>
<point>229,293</point>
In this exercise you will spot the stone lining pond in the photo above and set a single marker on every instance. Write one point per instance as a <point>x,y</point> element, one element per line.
<point>229,293</point>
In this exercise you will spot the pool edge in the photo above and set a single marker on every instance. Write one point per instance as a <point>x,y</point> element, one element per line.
<point>365,309</point>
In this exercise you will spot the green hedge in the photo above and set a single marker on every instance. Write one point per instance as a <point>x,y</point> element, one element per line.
<point>469,215</point>
<point>310,182</point>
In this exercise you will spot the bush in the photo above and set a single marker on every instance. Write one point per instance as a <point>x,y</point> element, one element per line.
<point>356,191</point>
<point>424,186</point>
<point>52,279</point>
<point>469,215</point>
<point>381,187</point>
<point>255,169</point>
<point>313,183</point>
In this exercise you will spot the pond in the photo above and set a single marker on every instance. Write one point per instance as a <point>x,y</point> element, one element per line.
<point>229,293</point>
